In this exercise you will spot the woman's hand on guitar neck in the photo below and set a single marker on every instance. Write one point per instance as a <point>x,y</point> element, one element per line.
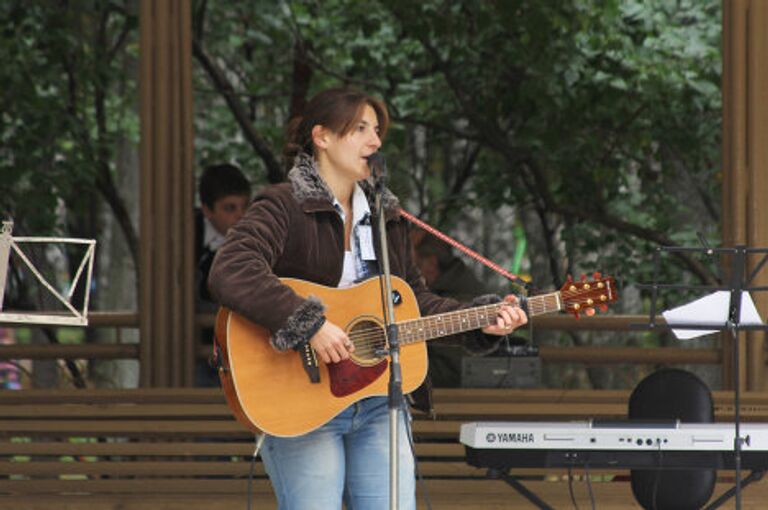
<point>331,343</point>
<point>510,317</point>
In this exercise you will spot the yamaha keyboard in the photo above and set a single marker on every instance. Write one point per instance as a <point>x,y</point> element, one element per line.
<point>502,446</point>
<point>614,444</point>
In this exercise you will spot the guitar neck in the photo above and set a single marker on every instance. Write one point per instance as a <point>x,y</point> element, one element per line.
<point>460,321</point>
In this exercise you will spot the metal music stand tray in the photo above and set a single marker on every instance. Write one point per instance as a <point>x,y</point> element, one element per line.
<point>72,316</point>
<point>739,282</point>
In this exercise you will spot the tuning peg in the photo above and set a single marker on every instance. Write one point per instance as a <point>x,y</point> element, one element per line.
<point>597,276</point>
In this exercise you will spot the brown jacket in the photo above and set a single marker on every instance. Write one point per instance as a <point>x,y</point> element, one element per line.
<point>292,230</point>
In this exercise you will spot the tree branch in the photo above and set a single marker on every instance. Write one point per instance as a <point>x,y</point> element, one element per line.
<point>438,126</point>
<point>647,234</point>
<point>227,91</point>
<point>300,78</point>
<point>121,38</point>
<point>198,20</point>
<point>104,181</point>
<point>451,202</point>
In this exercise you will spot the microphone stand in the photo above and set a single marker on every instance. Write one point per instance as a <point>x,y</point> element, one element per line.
<point>395,387</point>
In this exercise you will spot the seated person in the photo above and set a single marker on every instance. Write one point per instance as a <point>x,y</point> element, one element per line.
<point>447,276</point>
<point>224,195</point>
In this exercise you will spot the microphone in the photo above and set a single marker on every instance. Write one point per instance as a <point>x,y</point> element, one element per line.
<point>378,166</point>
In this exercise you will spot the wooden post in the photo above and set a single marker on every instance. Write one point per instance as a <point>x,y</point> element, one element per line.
<point>166,279</point>
<point>745,163</point>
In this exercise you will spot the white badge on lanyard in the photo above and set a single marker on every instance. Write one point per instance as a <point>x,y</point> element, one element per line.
<point>365,238</point>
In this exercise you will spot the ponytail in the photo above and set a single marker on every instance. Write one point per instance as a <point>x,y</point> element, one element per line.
<point>295,143</point>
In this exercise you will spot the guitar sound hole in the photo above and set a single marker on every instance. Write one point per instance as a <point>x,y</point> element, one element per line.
<point>370,341</point>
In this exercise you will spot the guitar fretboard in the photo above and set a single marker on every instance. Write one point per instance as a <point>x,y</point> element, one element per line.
<point>459,321</point>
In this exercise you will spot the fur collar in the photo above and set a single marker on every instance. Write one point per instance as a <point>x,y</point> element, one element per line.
<point>308,185</point>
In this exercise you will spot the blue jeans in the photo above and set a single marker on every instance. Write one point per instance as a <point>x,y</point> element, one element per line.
<point>347,458</point>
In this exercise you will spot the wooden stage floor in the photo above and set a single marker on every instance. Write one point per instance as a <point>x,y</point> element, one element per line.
<point>444,495</point>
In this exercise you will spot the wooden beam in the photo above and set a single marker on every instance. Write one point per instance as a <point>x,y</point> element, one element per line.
<point>757,160</point>
<point>57,351</point>
<point>592,356</point>
<point>166,272</point>
<point>745,164</point>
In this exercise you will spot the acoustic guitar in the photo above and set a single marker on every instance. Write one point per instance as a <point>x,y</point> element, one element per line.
<point>271,391</point>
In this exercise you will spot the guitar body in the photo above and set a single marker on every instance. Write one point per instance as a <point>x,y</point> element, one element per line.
<point>269,391</point>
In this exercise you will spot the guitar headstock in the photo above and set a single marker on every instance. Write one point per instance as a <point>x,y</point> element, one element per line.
<point>585,296</point>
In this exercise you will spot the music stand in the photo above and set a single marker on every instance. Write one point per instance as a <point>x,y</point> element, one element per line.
<point>73,316</point>
<point>740,282</point>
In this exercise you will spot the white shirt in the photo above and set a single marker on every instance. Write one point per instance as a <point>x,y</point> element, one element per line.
<point>212,238</point>
<point>360,241</point>
<point>348,272</point>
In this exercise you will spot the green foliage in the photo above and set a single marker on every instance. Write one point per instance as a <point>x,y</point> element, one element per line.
<point>606,109</point>
<point>599,119</point>
<point>603,114</point>
<point>252,42</point>
<point>54,139</point>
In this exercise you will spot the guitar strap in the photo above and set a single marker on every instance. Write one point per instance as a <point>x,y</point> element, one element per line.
<point>468,251</point>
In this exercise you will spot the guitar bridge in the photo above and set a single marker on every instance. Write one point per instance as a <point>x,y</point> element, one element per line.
<point>309,362</point>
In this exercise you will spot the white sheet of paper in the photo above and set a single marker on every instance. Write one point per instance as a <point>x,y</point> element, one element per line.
<point>711,309</point>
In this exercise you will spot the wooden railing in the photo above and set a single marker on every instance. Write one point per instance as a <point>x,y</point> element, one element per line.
<point>548,354</point>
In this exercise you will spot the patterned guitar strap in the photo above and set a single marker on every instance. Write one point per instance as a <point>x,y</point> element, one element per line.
<point>468,251</point>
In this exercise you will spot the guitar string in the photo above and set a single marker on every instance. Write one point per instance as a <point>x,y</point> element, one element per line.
<point>451,320</point>
<point>457,317</point>
<point>370,336</point>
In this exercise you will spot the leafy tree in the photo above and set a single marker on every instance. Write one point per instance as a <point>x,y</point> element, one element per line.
<point>68,98</point>
<point>592,126</point>
<point>69,111</point>
<point>599,119</point>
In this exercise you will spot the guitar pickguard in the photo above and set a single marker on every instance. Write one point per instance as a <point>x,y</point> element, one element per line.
<point>347,377</point>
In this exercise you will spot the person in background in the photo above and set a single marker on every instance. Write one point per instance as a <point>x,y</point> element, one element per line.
<point>224,194</point>
<point>448,276</point>
<point>445,274</point>
<point>317,227</point>
<point>10,373</point>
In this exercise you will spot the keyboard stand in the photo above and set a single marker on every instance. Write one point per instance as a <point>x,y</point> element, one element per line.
<point>519,487</point>
<point>497,474</point>
<point>754,476</point>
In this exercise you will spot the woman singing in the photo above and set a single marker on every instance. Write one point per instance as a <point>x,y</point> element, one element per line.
<point>317,227</point>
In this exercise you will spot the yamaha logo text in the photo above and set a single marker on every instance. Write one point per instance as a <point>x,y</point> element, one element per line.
<point>509,437</point>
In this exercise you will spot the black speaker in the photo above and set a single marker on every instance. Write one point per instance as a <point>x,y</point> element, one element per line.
<point>678,395</point>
